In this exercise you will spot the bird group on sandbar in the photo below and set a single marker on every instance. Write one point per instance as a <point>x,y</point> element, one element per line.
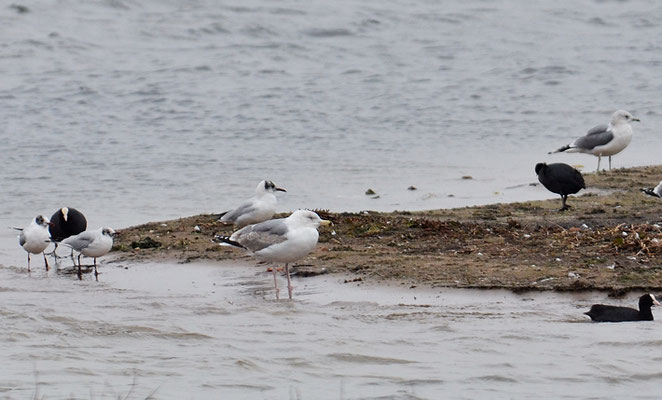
<point>287,240</point>
<point>66,227</point>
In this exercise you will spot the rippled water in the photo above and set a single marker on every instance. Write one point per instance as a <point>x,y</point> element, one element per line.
<point>117,105</point>
<point>198,331</point>
<point>134,111</point>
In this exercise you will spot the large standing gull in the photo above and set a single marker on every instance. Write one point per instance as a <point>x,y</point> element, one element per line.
<point>256,209</point>
<point>95,244</point>
<point>35,238</point>
<point>561,179</point>
<point>282,240</point>
<point>604,140</point>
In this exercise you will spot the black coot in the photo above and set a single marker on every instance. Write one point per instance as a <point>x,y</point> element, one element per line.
<point>604,313</point>
<point>560,178</point>
<point>66,222</point>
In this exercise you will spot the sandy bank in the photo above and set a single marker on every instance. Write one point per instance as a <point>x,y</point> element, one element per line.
<point>607,241</point>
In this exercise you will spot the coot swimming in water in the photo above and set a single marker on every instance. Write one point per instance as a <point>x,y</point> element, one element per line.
<point>604,313</point>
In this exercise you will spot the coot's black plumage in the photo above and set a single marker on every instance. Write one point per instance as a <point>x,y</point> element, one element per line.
<point>604,313</point>
<point>560,178</point>
<point>66,222</point>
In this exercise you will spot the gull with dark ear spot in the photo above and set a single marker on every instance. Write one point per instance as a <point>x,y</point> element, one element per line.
<point>655,192</point>
<point>604,140</point>
<point>66,221</point>
<point>259,208</point>
<point>95,244</point>
<point>561,179</point>
<point>35,238</point>
<point>282,240</point>
<point>605,313</point>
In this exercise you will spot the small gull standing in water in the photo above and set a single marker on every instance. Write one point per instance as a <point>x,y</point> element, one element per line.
<point>35,238</point>
<point>259,208</point>
<point>604,140</point>
<point>655,192</point>
<point>561,179</point>
<point>279,240</point>
<point>94,243</point>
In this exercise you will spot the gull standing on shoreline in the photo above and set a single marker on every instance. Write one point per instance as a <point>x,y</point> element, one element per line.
<point>35,238</point>
<point>604,140</point>
<point>95,244</point>
<point>282,240</point>
<point>259,208</point>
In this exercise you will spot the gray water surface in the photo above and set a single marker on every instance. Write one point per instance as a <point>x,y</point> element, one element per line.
<point>136,111</point>
<point>203,331</point>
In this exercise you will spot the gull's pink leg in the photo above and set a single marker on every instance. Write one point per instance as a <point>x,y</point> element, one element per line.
<point>46,262</point>
<point>273,271</point>
<point>289,281</point>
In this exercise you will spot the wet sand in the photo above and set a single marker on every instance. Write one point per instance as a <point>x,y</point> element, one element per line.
<point>611,239</point>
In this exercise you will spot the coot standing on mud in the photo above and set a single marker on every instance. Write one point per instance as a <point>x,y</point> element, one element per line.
<point>604,313</point>
<point>560,178</point>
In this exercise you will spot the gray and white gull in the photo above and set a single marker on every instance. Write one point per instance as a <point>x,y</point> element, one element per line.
<point>282,240</point>
<point>604,140</point>
<point>92,243</point>
<point>259,208</point>
<point>35,238</point>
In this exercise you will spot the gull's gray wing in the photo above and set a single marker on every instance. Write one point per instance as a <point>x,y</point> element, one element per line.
<point>597,136</point>
<point>21,238</point>
<point>658,189</point>
<point>80,241</point>
<point>233,215</point>
<point>260,236</point>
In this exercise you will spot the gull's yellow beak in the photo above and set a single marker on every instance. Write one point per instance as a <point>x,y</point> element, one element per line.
<point>325,222</point>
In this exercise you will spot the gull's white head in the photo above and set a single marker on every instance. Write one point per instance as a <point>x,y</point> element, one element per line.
<point>307,218</point>
<point>108,232</point>
<point>267,187</point>
<point>42,221</point>
<point>622,117</point>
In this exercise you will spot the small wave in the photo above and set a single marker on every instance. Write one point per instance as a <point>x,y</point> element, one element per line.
<point>319,32</point>
<point>286,11</point>
<point>494,378</point>
<point>364,359</point>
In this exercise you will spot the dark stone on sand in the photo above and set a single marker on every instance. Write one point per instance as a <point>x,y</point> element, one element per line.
<point>145,243</point>
<point>370,192</point>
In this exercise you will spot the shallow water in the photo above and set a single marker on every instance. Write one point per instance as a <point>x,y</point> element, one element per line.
<point>135,111</point>
<point>197,331</point>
